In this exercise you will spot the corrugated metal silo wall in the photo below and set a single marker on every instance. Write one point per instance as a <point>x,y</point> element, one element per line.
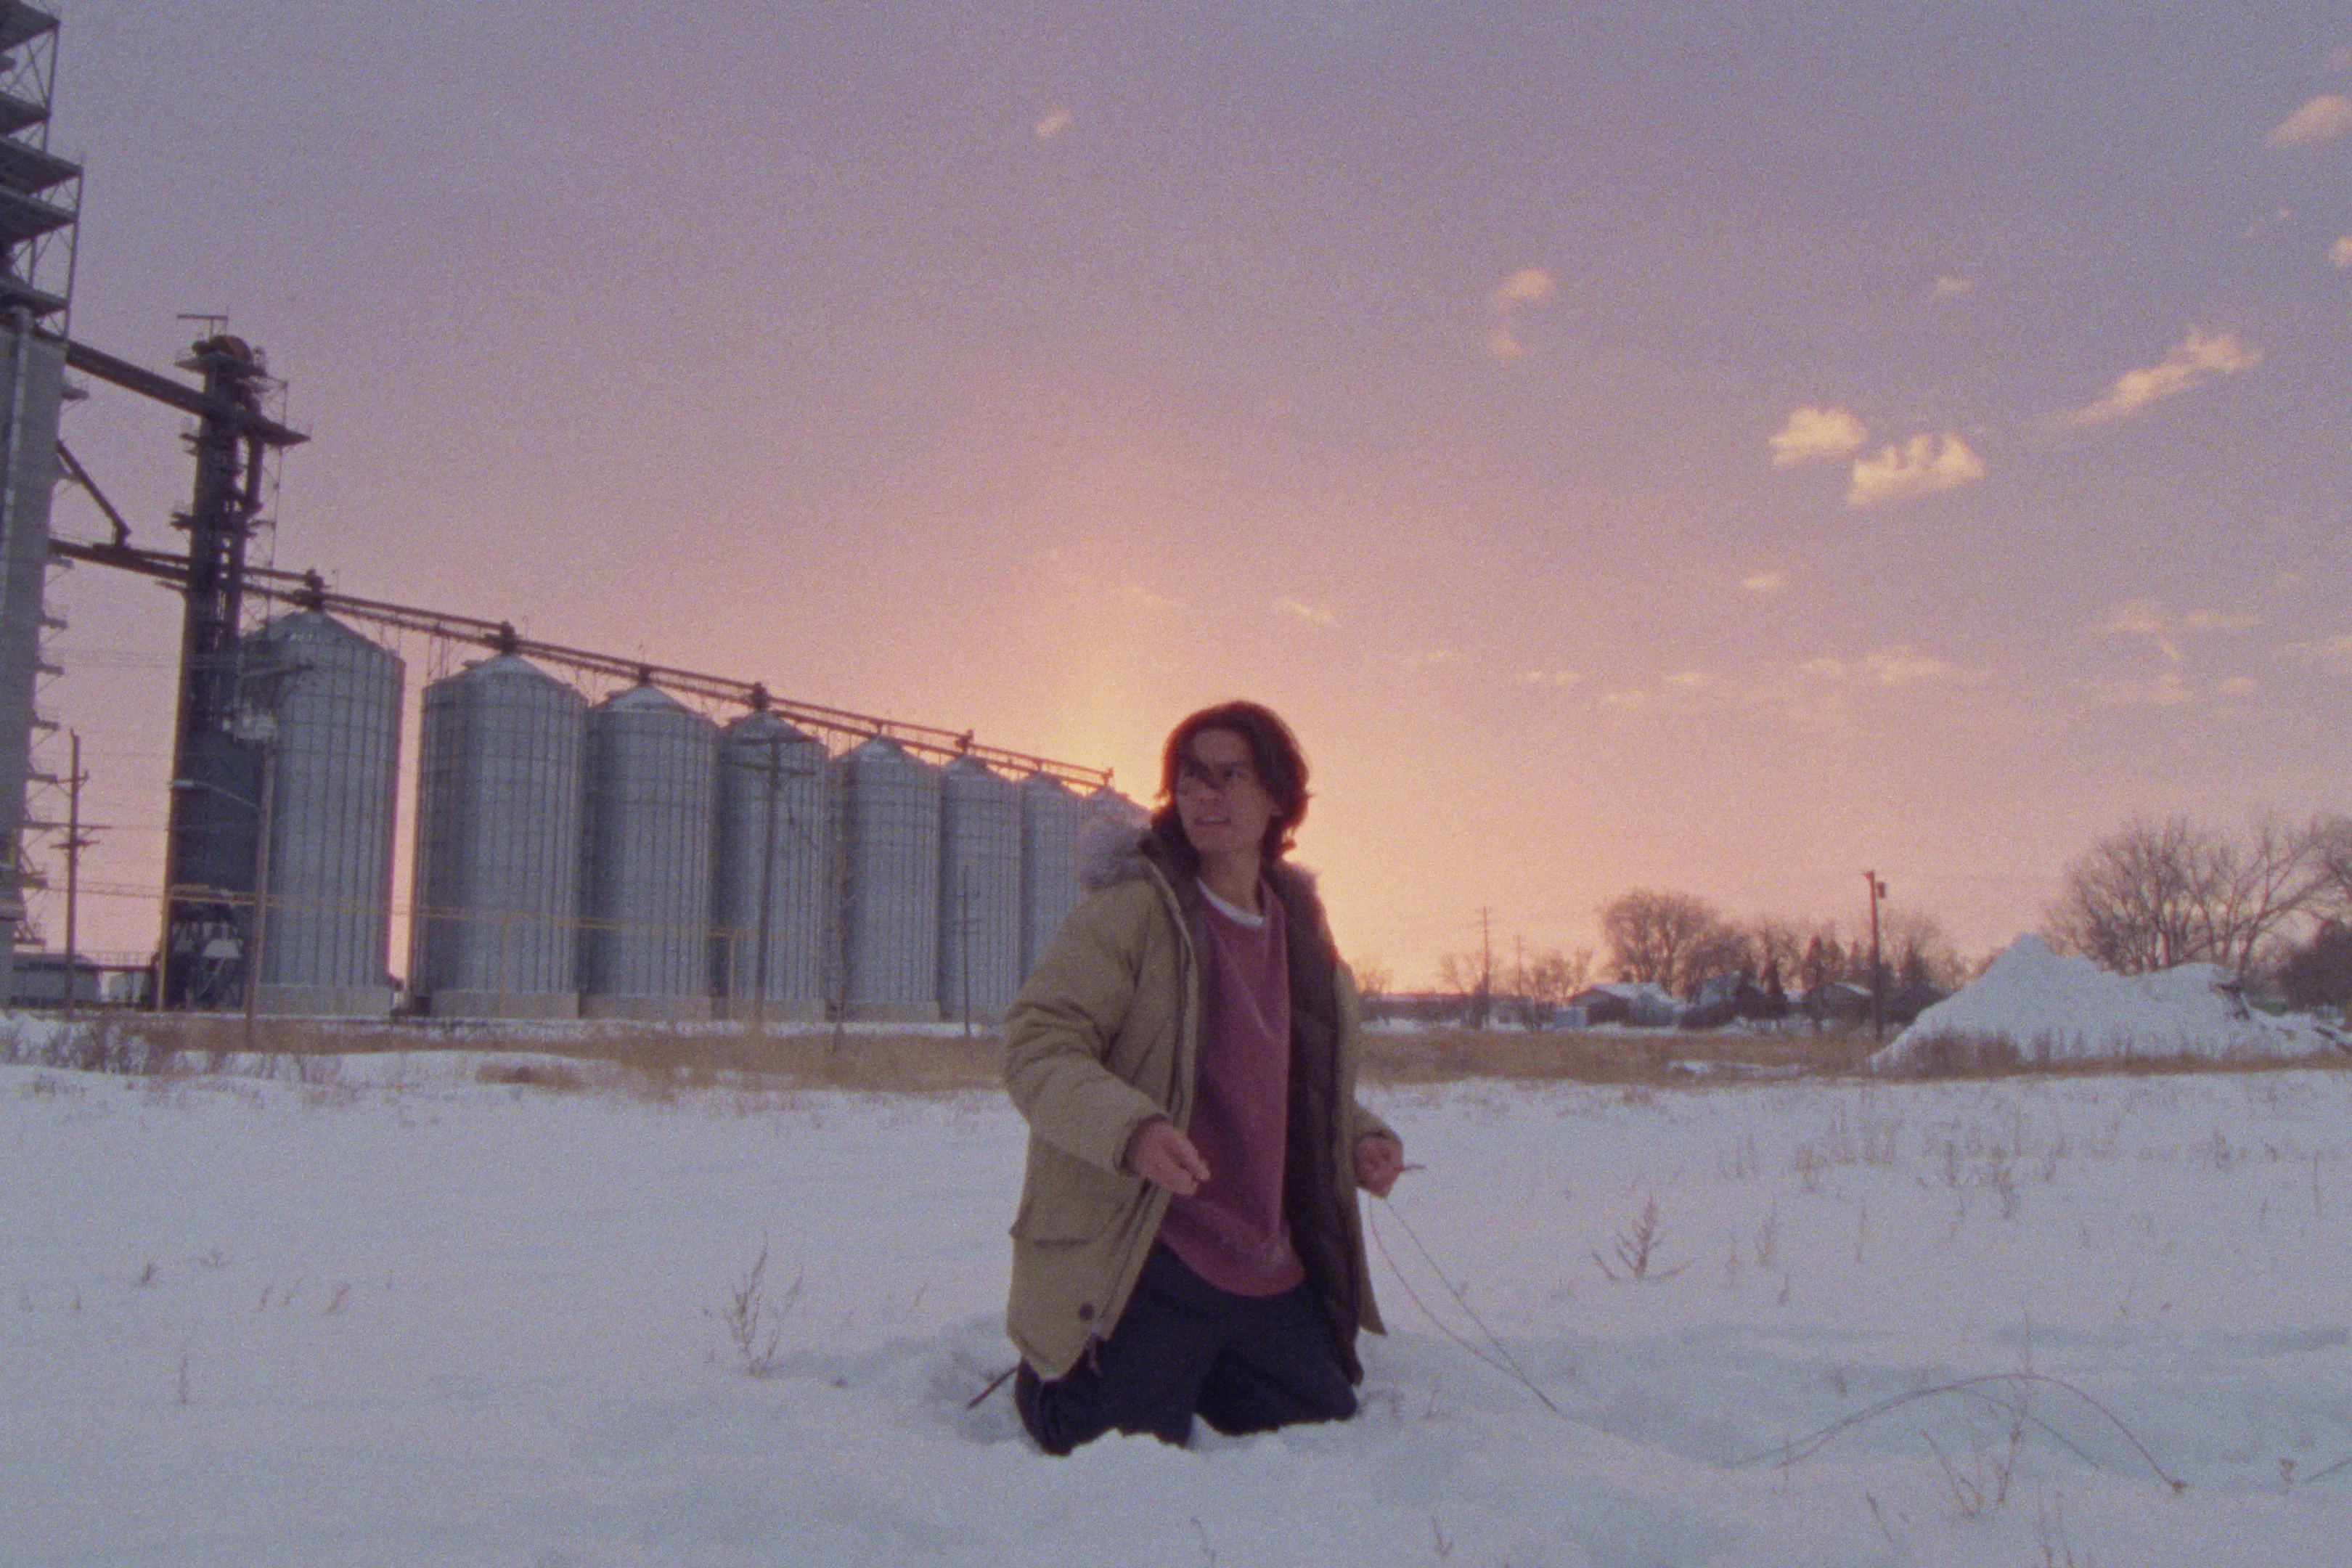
<point>980,891</point>
<point>890,892</point>
<point>646,857</point>
<point>1050,814</point>
<point>497,839</point>
<point>765,764</point>
<point>28,467</point>
<point>332,806</point>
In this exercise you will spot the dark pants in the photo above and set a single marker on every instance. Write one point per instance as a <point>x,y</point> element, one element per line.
<point>1244,1363</point>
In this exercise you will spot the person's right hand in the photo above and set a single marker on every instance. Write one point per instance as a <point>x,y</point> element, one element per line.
<point>1161,1154</point>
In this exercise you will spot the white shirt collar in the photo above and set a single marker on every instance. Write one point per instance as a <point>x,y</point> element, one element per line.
<point>1253,919</point>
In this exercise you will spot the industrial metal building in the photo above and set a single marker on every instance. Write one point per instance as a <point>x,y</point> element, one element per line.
<point>331,791</point>
<point>889,828</point>
<point>980,891</point>
<point>772,874</point>
<point>39,202</point>
<point>498,802</point>
<point>645,932</point>
<point>628,859</point>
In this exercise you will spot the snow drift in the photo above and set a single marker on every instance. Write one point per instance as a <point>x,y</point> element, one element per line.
<point>2033,1006</point>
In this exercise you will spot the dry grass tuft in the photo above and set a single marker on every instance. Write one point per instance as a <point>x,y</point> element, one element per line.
<point>1662,1057</point>
<point>661,1060</point>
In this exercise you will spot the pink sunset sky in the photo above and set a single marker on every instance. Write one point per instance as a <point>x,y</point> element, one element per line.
<point>1720,447</point>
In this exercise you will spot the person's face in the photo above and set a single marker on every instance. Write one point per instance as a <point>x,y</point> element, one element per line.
<point>1220,799</point>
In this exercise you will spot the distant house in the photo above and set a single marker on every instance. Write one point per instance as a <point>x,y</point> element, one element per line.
<point>1721,998</point>
<point>1432,1007</point>
<point>39,981</point>
<point>1841,1003</point>
<point>1637,1004</point>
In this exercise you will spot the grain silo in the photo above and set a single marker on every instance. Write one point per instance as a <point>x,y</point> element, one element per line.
<point>646,858</point>
<point>326,902</point>
<point>1050,814</point>
<point>889,817</point>
<point>771,873</point>
<point>980,891</point>
<point>498,844</point>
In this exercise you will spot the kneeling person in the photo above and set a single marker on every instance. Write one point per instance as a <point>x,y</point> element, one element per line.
<point>1188,1240</point>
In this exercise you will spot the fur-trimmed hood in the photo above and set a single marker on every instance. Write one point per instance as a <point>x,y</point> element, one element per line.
<point>1112,850</point>
<point>1110,845</point>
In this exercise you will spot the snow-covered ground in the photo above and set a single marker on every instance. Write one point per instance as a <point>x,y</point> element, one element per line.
<point>406,1317</point>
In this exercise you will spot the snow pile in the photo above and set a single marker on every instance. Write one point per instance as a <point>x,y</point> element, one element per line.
<point>2032,1005</point>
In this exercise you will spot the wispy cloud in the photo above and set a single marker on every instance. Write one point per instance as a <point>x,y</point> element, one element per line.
<point>1921,466</point>
<point>2321,118</point>
<point>1950,287</point>
<point>1763,582</point>
<point>2200,357</point>
<point>1828,690</point>
<point>2221,620</point>
<point>2158,623</point>
<point>1053,122</point>
<point>2135,618</point>
<point>2278,218</point>
<point>1143,598</point>
<point>1554,677</point>
<point>2340,252</point>
<point>2168,688</point>
<point>2331,654</point>
<point>1889,668</point>
<point>1809,432</point>
<point>1527,286</point>
<point>1432,658</point>
<point>1304,611</point>
<point>1904,665</point>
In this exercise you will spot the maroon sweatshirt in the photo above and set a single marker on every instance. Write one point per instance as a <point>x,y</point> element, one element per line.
<point>1233,1232</point>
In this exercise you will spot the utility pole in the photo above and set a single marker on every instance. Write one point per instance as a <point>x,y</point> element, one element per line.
<point>1877,969</point>
<point>767,889</point>
<point>75,845</point>
<point>963,945</point>
<point>773,773</point>
<point>267,724</point>
<point>1486,964</point>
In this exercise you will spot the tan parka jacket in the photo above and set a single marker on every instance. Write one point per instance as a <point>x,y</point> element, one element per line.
<point>1101,1038</point>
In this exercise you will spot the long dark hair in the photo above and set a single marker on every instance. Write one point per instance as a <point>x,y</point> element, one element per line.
<point>1280,765</point>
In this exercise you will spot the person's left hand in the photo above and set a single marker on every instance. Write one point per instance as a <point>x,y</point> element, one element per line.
<point>1380,1161</point>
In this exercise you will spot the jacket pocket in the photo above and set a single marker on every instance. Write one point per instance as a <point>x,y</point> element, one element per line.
<point>1064,1199</point>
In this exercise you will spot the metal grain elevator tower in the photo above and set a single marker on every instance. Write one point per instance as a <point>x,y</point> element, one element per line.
<point>39,202</point>
<point>226,730</point>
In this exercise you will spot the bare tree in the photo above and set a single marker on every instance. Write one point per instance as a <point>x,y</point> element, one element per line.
<point>1470,976</point>
<point>2152,895</point>
<point>1918,956</point>
<point>1543,982</point>
<point>1372,976</point>
<point>2253,887</point>
<point>2319,972</point>
<point>2328,846</point>
<point>1672,939</point>
<point>1774,942</point>
<point>1823,961</point>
